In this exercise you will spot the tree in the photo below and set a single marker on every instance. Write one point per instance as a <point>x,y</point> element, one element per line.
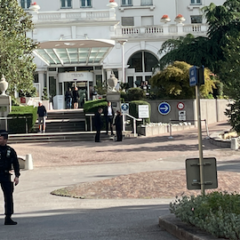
<point>223,22</point>
<point>16,59</point>
<point>173,82</point>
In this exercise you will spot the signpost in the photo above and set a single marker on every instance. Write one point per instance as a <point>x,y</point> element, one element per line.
<point>180,106</point>
<point>164,108</point>
<point>182,115</point>
<point>196,78</point>
<point>125,108</point>
<point>143,111</point>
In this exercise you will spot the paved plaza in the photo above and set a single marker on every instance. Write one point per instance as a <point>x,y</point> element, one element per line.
<point>41,215</point>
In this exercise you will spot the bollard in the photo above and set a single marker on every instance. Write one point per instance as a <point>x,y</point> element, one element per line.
<point>234,144</point>
<point>29,162</point>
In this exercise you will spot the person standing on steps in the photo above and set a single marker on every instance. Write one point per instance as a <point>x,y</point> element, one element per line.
<point>8,158</point>
<point>68,98</point>
<point>98,124</point>
<point>109,115</point>
<point>119,125</point>
<point>42,114</point>
<point>75,98</point>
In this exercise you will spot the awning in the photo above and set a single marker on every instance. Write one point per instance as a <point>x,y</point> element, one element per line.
<point>74,52</point>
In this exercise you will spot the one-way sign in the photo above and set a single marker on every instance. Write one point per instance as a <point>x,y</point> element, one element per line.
<point>164,108</point>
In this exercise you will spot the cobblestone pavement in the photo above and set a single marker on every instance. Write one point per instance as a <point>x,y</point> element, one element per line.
<point>171,153</point>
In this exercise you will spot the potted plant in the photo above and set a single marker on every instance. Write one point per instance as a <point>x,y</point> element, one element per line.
<point>179,18</point>
<point>165,19</point>
<point>34,7</point>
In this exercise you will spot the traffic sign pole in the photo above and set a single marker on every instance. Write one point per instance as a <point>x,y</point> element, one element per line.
<point>200,140</point>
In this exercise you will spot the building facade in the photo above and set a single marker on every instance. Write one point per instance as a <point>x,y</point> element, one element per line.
<point>83,41</point>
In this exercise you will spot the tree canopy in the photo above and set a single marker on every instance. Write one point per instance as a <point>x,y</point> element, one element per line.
<point>223,22</point>
<point>16,60</point>
<point>173,82</point>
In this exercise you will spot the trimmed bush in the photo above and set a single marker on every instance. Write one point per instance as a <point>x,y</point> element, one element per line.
<point>135,94</point>
<point>20,114</point>
<point>133,109</point>
<point>217,213</point>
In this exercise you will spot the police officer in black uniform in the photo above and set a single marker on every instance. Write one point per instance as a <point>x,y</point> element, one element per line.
<point>8,159</point>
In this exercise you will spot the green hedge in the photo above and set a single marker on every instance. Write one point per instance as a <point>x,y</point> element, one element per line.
<point>20,113</point>
<point>133,109</point>
<point>217,213</point>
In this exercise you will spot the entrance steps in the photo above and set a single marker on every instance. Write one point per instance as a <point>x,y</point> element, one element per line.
<point>60,137</point>
<point>69,120</point>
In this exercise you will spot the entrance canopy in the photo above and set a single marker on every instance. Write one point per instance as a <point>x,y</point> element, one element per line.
<point>72,52</point>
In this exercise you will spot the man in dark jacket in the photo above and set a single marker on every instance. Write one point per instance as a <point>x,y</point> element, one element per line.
<point>8,158</point>
<point>119,125</point>
<point>109,116</point>
<point>98,124</point>
<point>68,98</point>
<point>42,114</point>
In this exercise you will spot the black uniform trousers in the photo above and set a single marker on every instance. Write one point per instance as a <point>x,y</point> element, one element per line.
<point>119,134</point>
<point>109,120</point>
<point>97,136</point>
<point>7,188</point>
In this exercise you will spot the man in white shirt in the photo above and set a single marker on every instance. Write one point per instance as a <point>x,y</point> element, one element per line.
<point>109,115</point>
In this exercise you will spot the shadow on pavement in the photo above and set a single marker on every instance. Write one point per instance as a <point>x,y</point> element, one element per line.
<point>118,223</point>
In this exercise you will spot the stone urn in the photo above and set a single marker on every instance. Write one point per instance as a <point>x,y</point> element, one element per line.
<point>165,19</point>
<point>3,85</point>
<point>112,83</point>
<point>34,7</point>
<point>112,4</point>
<point>179,19</point>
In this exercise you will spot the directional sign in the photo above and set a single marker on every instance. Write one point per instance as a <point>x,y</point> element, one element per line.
<point>125,108</point>
<point>164,108</point>
<point>193,76</point>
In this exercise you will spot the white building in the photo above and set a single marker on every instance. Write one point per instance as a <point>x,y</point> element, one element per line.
<point>83,41</point>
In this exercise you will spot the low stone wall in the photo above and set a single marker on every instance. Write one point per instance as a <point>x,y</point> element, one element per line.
<point>218,141</point>
<point>154,130</point>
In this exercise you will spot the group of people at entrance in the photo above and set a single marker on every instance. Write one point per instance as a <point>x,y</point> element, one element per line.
<point>73,97</point>
<point>108,113</point>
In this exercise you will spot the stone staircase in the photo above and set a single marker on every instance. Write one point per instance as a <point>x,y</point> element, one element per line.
<point>63,126</point>
<point>72,120</point>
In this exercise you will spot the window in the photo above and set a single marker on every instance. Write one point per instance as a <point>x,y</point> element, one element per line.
<point>26,3</point>
<point>146,2</point>
<point>196,19</point>
<point>196,2</point>
<point>86,3</point>
<point>126,2</point>
<point>127,21</point>
<point>66,3</point>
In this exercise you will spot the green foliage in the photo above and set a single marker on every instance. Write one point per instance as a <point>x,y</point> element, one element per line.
<point>173,82</point>
<point>133,109</point>
<point>16,60</point>
<point>20,114</point>
<point>217,213</point>
<point>135,94</point>
<point>223,21</point>
<point>45,95</point>
<point>92,106</point>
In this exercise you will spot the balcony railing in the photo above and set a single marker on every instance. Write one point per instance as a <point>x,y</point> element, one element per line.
<point>71,15</point>
<point>161,30</point>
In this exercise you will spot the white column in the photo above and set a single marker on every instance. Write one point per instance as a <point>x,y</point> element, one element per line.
<point>41,83</point>
<point>122,42</point>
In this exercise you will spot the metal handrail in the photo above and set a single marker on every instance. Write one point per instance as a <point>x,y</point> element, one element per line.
<point>6,123</point>
<point>134,122</point>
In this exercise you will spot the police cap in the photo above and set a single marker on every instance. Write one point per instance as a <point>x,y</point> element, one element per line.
<point>4,133</point>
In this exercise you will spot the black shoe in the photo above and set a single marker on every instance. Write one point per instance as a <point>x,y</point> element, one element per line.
<point>9,221</point>
<point>112,134</point>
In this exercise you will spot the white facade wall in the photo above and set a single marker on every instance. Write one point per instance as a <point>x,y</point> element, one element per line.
<point>101,22</point>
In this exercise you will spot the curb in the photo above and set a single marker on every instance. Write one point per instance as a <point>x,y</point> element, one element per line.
<point>183,231</point>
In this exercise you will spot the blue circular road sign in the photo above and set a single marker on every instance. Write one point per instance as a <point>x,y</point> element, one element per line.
<point>164,108</point>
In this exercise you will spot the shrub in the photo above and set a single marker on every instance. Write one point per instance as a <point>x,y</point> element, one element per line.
<point>217,213</point>
<point>133,109</point>
<point>20,114</point>
<point>135,94</point>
